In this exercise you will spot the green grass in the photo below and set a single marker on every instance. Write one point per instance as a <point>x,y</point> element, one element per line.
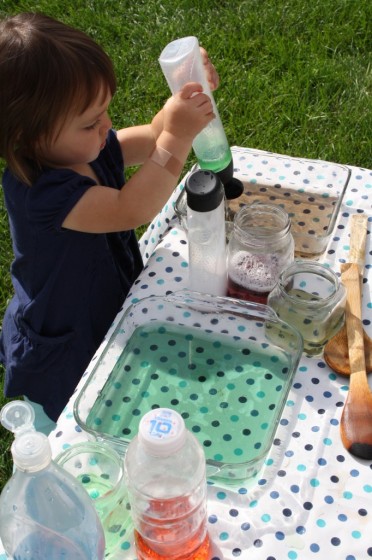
<point>295,75</point>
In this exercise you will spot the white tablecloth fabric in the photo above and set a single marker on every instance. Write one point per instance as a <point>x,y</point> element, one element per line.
<point>313,499</point>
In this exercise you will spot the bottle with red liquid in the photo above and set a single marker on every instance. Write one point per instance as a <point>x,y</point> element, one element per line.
<point>165,473</point>
<point>260,247</point>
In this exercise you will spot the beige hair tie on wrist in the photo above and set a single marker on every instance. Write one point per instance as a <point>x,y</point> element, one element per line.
<point>165,159</point>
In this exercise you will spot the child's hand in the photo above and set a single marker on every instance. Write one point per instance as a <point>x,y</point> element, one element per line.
<point>187,112</point>
<point>212,75</point>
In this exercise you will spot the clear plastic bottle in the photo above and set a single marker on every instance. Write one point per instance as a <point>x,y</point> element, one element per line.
<point>206,233</point>
<point>165,474</point>
<point>181,62</point>
<point>45,514</point>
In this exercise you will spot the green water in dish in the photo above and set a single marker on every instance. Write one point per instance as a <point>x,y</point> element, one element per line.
<point>230,392</point>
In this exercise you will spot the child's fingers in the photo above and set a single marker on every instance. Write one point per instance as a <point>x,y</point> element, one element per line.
<point>211,72</point>
<point>203,101</point>
<point>190,89</point>
<point>194,91</point>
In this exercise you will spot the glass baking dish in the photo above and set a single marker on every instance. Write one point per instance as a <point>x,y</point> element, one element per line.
<point>225,365</point>
<point>310,191</point>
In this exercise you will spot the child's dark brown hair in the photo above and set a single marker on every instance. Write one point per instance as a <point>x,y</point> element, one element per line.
<point>48,70</point>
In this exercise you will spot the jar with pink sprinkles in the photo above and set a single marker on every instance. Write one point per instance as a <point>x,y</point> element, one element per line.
<point>260,247</point>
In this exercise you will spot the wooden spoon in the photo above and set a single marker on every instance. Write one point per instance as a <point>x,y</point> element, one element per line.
<point>336,352</point>
<point>356,419</point>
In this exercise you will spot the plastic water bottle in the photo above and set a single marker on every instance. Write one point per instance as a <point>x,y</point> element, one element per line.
<point>166,481</point>
<point>45,513</point>
<point>206,233</point>
<point>181,62</point>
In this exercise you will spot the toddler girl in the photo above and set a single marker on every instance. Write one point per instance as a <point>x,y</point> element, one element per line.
<point>71,216</point>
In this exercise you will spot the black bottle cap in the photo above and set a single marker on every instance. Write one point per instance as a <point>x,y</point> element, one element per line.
<point>227,173</point>
<point>204,190</point>
<point>233,189</point>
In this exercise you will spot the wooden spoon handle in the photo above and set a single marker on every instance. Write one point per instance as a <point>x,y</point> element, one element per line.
<point>356,419</point>
<point>353,311</point>
<point>358,237</point>
<point>336,352</point>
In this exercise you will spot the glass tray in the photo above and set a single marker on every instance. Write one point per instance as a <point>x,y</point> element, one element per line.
<point>225,365</point>
<point>310,191</point>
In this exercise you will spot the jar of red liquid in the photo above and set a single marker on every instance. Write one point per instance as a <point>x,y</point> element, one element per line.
<point>260,247</point>
<point>165,472</point>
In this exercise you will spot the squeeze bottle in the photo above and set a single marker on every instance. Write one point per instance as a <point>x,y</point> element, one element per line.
<point>181,62</point>
<point>45,513</point>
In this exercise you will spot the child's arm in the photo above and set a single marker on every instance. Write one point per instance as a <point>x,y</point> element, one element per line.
<point>102,209</point>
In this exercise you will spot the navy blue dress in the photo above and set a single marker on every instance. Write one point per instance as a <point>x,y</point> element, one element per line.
<point>68,285</point>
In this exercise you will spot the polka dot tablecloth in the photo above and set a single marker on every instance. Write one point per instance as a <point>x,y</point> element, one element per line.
<point>312,499</point>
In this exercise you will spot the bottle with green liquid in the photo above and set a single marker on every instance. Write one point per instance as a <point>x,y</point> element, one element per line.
<point>181,62</point>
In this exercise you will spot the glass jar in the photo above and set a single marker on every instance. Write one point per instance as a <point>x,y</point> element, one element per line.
<point>310,298</point>
<point>100,470</point>
<point>260,247</point>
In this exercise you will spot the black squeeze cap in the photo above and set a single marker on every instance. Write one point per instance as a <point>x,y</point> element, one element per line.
<point>204,190</point>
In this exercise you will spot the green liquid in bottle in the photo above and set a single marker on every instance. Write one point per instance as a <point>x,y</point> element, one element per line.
<point>215,160</point>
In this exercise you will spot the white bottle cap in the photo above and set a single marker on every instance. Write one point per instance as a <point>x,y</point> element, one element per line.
<point>17,417</point>
<point>162,432</point>
<point>31,451</point>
